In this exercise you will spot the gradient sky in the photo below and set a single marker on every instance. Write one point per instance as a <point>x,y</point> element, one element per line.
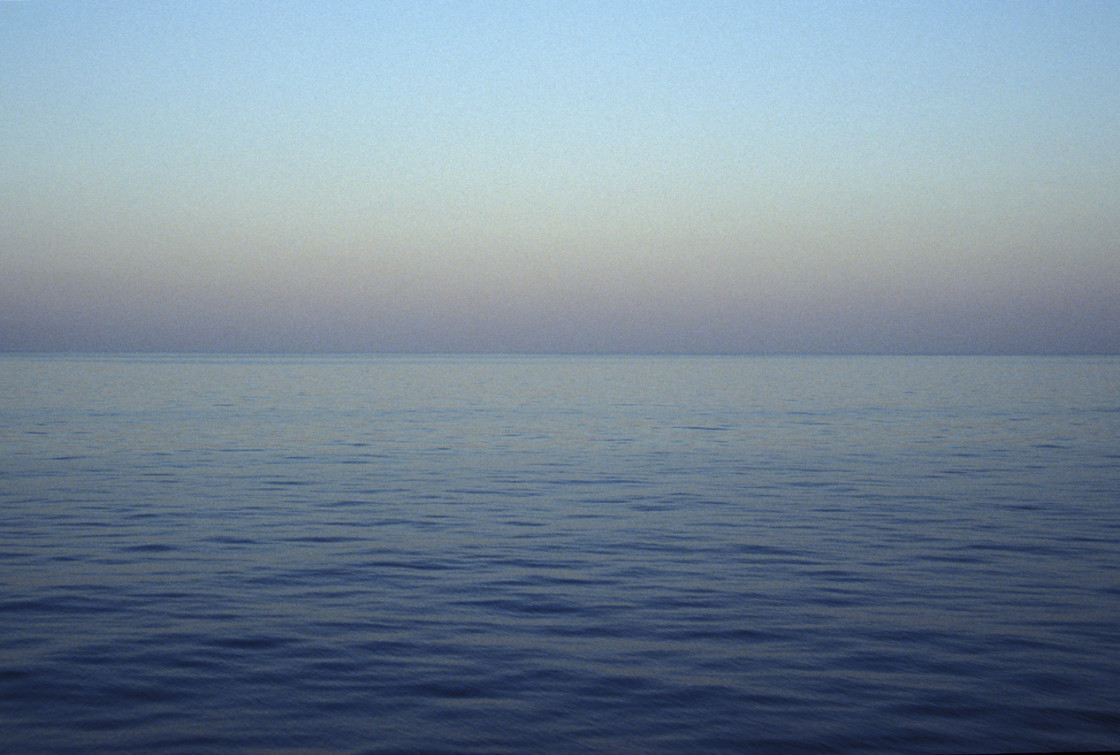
<point>567,176</point>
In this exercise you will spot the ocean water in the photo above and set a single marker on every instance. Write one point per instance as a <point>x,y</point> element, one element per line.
<point>265,554</point>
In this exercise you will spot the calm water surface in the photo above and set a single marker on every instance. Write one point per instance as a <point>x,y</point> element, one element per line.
<point>565,554</point>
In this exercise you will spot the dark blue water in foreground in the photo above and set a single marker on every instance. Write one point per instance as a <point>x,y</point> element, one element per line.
<point>563,554</point>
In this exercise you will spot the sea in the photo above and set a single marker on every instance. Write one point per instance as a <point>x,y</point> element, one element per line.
<point>563,554</point>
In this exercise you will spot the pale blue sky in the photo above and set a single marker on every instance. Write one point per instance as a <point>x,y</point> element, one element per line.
<point>572,176</point>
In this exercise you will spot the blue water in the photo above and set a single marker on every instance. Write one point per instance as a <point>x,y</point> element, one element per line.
<point>251,554</point>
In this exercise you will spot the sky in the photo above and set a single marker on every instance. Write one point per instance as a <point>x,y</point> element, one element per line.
<point>695,177</point>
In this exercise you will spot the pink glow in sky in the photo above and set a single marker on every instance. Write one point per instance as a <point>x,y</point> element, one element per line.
<point>682,177</point>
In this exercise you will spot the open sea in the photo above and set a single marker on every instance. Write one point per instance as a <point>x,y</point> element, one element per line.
<point>569,554</point>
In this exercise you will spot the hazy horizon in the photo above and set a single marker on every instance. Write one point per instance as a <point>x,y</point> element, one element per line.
<point>773,178</point>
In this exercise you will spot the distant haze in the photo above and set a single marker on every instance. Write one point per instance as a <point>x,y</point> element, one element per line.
<point>607,177</point>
